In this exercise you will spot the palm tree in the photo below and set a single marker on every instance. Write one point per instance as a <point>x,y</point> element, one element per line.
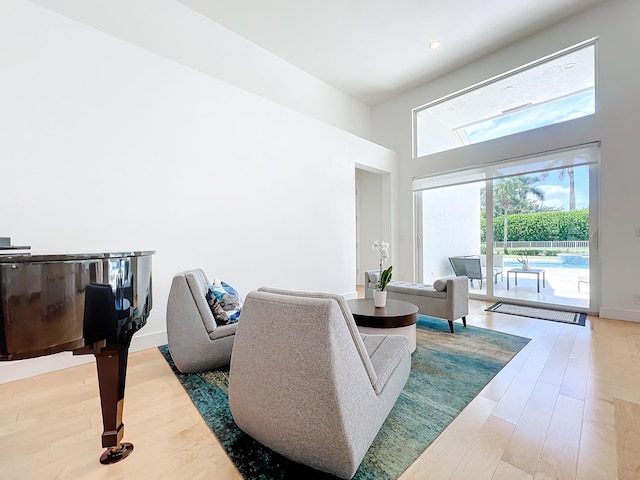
<point>569,172</point>
<point>572,185</point>
<point>512,195</point>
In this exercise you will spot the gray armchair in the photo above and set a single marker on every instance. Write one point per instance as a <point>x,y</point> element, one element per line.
<point>305,383</point>
<point>195,341</point>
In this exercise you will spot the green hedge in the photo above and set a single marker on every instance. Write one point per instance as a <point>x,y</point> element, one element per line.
<point>541,226</point>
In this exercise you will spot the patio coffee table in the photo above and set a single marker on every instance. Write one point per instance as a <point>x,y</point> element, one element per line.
<point>396,318</point>
<point>535,271</point>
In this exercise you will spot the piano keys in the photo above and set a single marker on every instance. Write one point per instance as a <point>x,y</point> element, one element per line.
<point>83,303</point>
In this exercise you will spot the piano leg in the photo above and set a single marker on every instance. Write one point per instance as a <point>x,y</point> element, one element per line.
<point>112,370</point>
<point>111,362</point>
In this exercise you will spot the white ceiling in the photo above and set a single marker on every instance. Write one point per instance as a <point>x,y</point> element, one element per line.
<point>376,49</point>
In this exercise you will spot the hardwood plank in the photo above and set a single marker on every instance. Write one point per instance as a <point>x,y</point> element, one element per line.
<point>627,421</point>
<point>512,403</point>
<point>482,458</point>
<point>494,321</point>
<point>603,361</point>
<point>442,457</point>
<point>597,459</point>
<point>499,384</point>
<point>559,457</point>
<point>598,405</point>
<point>519,326</point>
<point>544,331</point>
<point>626,383</point>
<point>529,434</point>
<point>582,344</point>
<point>574,382</point>
<point>623,335</point>
<point>506,471</point>
<point>556,365</point>
<point>17,467</point>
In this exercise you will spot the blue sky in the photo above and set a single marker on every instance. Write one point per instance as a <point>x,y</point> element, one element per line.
<point>579,105</point>
<point>561,110</point>
<point>556,193</point>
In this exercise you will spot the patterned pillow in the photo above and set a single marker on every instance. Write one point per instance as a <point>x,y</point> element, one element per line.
<point>218,312</point>
<point>229,300</point>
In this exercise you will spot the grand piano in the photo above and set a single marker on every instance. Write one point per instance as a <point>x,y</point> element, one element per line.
<point>83,303</point>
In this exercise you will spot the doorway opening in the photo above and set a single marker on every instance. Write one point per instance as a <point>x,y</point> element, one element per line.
<point>372,219</point>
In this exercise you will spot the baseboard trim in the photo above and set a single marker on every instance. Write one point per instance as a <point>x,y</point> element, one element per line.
<point>19,369</point>
<point>620,314</point>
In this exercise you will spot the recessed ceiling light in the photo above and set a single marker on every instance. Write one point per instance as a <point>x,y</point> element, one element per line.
<point>569,65</point>
<point>435,44</point>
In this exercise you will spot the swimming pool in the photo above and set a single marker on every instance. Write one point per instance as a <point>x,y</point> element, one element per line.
<point>547,264</point>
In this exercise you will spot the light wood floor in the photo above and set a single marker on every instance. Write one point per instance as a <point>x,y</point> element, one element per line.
<point>566,407</point>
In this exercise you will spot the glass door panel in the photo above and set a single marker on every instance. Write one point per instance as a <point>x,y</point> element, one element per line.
<point>451,227</point>
<point>541,228</point>
<point>532,234</point>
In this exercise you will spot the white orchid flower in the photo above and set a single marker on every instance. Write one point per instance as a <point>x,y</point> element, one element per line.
<point>382,248</point>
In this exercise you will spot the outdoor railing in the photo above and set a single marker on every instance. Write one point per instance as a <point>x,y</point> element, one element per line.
<point>568,244</point>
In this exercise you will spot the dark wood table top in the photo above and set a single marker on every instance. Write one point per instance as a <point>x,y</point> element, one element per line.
<point>394,314</point>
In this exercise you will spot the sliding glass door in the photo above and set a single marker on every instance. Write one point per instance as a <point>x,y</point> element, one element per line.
<point>523,230</point>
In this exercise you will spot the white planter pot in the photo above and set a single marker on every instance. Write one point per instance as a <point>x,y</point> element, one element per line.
<point>525,267</point>
<point>379,298</point>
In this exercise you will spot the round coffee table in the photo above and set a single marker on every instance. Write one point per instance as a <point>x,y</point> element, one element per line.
<point>395,318</point>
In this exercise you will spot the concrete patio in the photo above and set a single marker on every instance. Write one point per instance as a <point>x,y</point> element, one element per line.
<point>561,286</point>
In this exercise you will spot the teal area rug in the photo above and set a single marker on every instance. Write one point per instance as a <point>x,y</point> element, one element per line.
<point>447,372</point>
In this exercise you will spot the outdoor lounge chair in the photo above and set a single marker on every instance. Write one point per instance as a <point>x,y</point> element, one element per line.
<point>582,279</point>
<point>470,267</point>
<point>498,266</point>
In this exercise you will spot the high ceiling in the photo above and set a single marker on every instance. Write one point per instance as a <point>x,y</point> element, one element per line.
<point>376,49</point>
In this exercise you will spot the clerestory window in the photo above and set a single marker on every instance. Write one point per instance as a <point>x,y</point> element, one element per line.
<point>551,90</point>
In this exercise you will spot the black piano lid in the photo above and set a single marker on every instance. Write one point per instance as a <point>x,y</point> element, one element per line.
<point>73,257</point>
<point>45,320</point>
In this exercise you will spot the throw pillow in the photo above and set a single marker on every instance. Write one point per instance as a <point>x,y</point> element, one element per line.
<point>229,299</point>
<point>218,312</point>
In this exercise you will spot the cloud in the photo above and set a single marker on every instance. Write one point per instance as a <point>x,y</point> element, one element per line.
<point>557,197</point>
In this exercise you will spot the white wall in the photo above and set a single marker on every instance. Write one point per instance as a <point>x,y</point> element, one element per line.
<point>615,125</point>
<point>451,227</point>
<point>441,136</point>
<point>175,31</point>
<point>106,147</point>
